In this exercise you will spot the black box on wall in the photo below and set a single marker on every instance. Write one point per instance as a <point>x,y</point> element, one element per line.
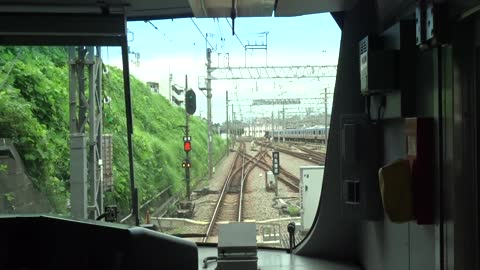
<point>398,102</point>
<point>378,67</point>
<point>360,159</point>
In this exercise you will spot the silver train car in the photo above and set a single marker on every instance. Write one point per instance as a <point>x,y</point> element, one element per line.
<point>314,134</point>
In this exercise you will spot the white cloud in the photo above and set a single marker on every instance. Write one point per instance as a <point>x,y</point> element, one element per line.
<point>158,70</point>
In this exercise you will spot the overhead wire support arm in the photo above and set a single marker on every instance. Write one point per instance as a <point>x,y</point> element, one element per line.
<point>285,101</point>
<point>273,72</point>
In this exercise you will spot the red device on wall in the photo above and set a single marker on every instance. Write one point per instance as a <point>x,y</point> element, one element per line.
<point>421,154</point>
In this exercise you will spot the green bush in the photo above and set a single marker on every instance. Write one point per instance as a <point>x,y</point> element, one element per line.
<point>33,104</point>
<point>34,113</point>
<point>3,168</point>
<point>293,210</point>
<point>158,141</point>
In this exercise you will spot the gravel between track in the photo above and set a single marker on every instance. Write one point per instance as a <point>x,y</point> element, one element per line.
<point>293,164</point>
<point>257,201</point>
<point>221,172</point>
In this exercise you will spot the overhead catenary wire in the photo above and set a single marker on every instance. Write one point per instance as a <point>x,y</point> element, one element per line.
<point>217,28</point>
<point>235,33</point>
<point>181,29</point>
<point>156,28</point>
<point>221,31</point>
<point>222,35</point>
<point>201,33</point>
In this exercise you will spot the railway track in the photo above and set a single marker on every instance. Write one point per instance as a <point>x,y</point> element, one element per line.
<point>286,174</point>
<point>305,156</point>
<point>221,198</point>
<point>286,177</point>
<point>317,155</point>
<point>229,205</point>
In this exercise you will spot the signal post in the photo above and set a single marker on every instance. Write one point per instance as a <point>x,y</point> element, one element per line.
<point>185,208</point>
<point>186,164</point>
<point>190,108</point>
<point>276,168</point>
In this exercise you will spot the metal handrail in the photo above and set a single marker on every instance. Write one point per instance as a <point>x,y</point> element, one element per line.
<point>146,203</point>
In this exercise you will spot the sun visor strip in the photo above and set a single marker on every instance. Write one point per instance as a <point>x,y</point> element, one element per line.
<point>62,29</point>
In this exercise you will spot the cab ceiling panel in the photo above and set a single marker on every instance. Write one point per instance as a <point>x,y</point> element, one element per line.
<point>223,8</point>
<point>161,9</point>
<point>58,6</point>
<point>302,7</point>
<point>158,9</point>
<point>390,11</point>
<point>134,9</point>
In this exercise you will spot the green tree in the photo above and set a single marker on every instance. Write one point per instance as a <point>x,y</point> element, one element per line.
<point>34,114</point>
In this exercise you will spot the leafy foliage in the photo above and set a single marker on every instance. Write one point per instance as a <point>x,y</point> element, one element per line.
<point>293,210</point>
<point>158,143</point>
<point>3,168</point>
<point>34,114</point>
<point>10,200</point>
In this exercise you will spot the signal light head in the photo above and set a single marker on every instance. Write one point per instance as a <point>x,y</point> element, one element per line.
<point>187,146</point>
<point>190,102</point>
<point>276,162</point>
<point>186,163</point>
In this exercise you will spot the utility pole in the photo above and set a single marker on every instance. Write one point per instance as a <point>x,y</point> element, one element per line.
<point>228,127</point>
<point>283,121</point>
<point>266,48</point>
<point>258,47</point>
<point>85,74</point>
<point>187,169</point>
<point>272,128</point>
<point>209,110</point>
<point>170,78</point>
<point>278,126</point>
<point>326,115</point>
<point>234,132</point>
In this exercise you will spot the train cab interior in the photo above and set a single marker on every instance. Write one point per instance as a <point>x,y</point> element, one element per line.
<point>401,185</point>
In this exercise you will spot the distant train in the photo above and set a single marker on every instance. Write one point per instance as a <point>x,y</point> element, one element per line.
<point>313,134</point>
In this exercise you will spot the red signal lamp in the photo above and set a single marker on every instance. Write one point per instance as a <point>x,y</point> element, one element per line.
<point>187,146</point>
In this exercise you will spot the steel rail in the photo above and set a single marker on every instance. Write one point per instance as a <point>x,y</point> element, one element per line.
<point>220,199</point>
<point>240,199</point>
<point>304,156</point>
<point>311,152</point>
<point>294,186</point>
<point>286,173</point>
<point>245,173</point>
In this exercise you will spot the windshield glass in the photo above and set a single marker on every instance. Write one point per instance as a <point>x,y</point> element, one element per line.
<point>63,129</point>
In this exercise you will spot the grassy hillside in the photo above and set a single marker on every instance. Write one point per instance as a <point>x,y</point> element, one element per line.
<point>34,113</point>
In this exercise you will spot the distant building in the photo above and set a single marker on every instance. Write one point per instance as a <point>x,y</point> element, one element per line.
<point>178,95</point>
<point>154,86</point>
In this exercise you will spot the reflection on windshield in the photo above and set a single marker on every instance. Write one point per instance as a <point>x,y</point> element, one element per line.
<point>252,153</point>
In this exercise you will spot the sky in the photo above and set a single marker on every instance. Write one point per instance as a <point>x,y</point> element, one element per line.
<point>179,47</point>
